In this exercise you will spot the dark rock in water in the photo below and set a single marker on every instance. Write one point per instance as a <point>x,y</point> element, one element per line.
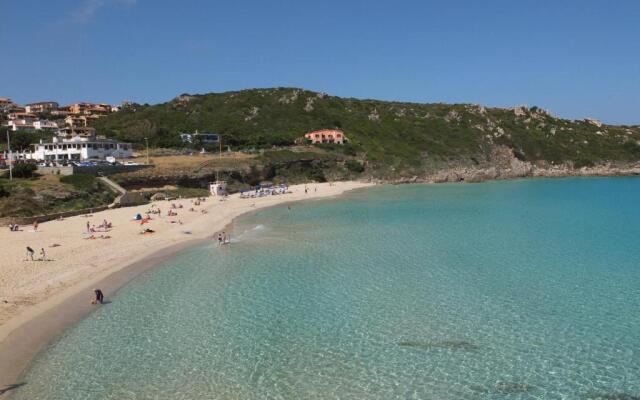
<point>504,388</point>
<point>446,344</point>
<point>611,396</point>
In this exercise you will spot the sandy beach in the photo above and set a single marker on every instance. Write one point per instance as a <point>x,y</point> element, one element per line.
<point>74,262</point>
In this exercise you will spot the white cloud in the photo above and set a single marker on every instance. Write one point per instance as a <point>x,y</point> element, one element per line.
<point>87,9</point>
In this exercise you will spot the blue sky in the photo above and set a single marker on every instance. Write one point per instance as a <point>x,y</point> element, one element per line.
<point>576,58</point>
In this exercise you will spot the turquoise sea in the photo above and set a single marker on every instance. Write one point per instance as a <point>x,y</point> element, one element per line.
<point>524,289</point>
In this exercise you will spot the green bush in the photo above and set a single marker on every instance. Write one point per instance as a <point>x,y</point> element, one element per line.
<point>24,170</point>
<point>354,166</point>
<point>4,192</point>
<point>84,182</point>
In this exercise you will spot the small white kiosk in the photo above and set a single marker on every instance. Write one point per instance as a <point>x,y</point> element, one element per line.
<point>218,188</point>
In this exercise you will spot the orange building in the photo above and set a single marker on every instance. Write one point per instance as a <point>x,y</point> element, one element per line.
<point>43,106</point>
<point>326,136</point>
<point>89,108</point>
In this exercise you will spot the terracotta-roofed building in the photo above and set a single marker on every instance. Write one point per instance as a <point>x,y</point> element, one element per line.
<point>89,108</point>
<point>326,136</point>
<point>43,106</point>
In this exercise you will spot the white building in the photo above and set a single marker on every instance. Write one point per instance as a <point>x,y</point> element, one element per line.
<point>78,149</point>
<point>44,124</point>
<point>24,125</point>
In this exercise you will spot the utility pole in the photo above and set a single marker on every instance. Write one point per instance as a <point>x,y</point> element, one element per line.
<point>10,156</point>
<point>147,142</point>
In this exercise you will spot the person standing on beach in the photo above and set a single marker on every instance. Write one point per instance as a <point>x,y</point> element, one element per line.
<point>35,225</point>
<point>43,255</point>
<point>30,253</point>
<point>88,227</point>
<point>99,296</point>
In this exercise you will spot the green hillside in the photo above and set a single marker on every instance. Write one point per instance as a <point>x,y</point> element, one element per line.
<point>391,136</point>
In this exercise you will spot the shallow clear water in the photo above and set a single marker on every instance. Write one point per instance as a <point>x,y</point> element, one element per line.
<point>506,290</point>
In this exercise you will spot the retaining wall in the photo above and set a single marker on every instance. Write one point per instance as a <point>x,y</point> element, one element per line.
<point>109,169</point>
<point>97,170</point>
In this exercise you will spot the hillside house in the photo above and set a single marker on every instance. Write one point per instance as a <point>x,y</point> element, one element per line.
<point>23,125</point>
<point>73,120</point>
<point>45,125</point>
<point>40,107</point>
<point>326,136</point>
<point>90,108</point>
<point>72,131</point>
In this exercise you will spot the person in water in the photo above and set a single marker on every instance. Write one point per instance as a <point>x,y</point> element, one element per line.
<point>99,296</point>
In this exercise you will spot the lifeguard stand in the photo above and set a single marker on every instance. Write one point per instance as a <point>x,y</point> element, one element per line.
<point>218,188</point>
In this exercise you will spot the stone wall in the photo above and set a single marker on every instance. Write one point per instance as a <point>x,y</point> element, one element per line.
<point>96,170</point>
<point>108,169</point>
<point>68,170</point>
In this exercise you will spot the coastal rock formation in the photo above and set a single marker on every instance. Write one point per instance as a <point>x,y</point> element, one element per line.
<point>503,164</point>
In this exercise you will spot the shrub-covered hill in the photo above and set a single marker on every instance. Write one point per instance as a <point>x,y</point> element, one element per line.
<point>395,135</point>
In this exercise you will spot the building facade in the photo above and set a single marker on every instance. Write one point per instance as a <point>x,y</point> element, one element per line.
<point>326,136</point>
<point>69,132</point>
<point>78,149</point>
<point>23,125</point>
<point>45,125</point>
<point>73,120</point>
<point>40,107</point>
<point>89,108</point>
